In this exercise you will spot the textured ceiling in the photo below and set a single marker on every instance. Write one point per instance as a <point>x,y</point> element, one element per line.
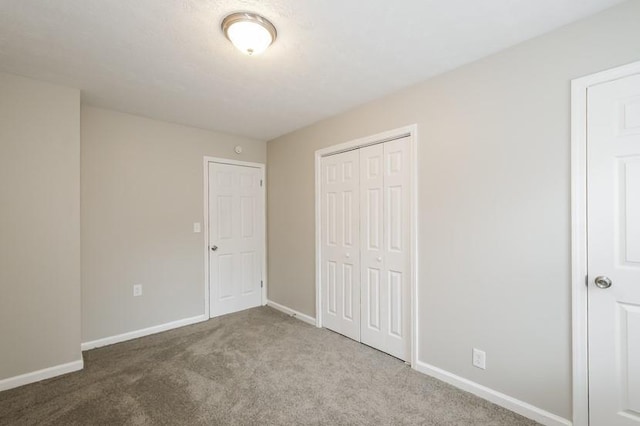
<point>168,59</point>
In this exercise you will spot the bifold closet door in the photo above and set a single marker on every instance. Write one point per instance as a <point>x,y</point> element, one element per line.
<point>340,240</point>
<point>384,255</point>
<point>365,245</point>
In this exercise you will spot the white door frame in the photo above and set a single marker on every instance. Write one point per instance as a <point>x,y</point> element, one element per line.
<point>407,131</point>
<point>579,270</point>
<point>207,243</point>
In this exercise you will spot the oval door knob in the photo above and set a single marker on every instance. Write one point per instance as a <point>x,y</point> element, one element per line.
<point>379,259</point>
<point>347,255</point>
<point>603,282</point>
<point>214,248</point>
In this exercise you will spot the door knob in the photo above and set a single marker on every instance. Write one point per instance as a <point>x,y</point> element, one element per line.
<point>379,259</point>
<point>347,255</point>
<point>214,248</point>
<point>603,282</point>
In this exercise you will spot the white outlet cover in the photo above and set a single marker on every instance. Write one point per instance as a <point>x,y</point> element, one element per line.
<point>479,359</point>
<point>137,290</point>
<point>196,227</point>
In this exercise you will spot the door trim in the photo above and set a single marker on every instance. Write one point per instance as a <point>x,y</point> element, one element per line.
<point>410,131</point>
<point>579,291</point>
<point>207,284</point>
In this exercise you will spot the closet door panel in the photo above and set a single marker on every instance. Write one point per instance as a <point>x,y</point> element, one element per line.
<point>373,274</point>
<point>396,248</point>
<point>340,265</point>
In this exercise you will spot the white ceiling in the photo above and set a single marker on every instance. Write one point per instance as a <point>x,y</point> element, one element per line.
<point>168,59</point>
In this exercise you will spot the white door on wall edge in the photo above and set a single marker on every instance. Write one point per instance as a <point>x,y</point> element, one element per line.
<point>613,241</point>
<point>236,238</point>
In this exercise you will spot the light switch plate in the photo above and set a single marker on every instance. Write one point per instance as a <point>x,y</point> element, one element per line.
<point>196,227</point>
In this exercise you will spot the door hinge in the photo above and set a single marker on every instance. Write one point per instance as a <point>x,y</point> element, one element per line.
<point>586,280</point>
<point>260,182</point>
<point>261,284</point>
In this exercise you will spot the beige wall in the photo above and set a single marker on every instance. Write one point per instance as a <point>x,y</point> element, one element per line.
<point>494,205</point>
<point>142,183</point>
<point>39,225</point>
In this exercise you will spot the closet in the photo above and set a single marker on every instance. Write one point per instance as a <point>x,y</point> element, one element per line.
<point>364,244</point>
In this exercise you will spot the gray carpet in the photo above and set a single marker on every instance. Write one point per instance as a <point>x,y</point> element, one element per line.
<point>253,367</point>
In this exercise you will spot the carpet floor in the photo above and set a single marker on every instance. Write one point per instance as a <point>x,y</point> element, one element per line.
<point>257,367</point>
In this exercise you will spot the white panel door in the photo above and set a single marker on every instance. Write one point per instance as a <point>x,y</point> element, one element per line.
<point>340,246</point>
<point>236,238</point>
<point>372,273</point>
<point>384,230</point>
<point>614,252</point>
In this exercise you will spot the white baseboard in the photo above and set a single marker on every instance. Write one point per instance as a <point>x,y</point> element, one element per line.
<point>510,403</point>
<point>141,333</point>
<point>292,312</point>
<point>36,376</point>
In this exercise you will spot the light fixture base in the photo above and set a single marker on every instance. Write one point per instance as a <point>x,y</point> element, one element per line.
<point>246,42</point>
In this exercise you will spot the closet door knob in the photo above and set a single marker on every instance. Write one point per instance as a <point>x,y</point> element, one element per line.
<point>379,259</point>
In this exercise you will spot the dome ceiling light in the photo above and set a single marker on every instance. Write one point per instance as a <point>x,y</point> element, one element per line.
<point>250,33</point>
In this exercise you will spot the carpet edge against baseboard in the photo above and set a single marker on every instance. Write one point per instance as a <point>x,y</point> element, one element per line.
<point>58,370</point>
<point>39,375</point>
<point>498,398</point>
<point>130,335</point>
<point>291,312</point>
<point>512,404</point>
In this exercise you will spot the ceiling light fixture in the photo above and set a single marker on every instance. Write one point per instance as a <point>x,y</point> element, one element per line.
<point>250,33</point>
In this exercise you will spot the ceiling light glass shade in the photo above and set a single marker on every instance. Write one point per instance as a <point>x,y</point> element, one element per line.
<point>250,33</point>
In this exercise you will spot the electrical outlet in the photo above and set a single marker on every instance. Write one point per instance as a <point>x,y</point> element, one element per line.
<point>479,359</point>
<point>196,227</point>
<point>137,290</point>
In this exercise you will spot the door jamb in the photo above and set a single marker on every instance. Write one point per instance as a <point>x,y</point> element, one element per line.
<point>261,166</point>
<point>410,131</point>
<point>579,272</point>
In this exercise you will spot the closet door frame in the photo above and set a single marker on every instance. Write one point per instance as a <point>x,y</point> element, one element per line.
<point>411,132</point>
